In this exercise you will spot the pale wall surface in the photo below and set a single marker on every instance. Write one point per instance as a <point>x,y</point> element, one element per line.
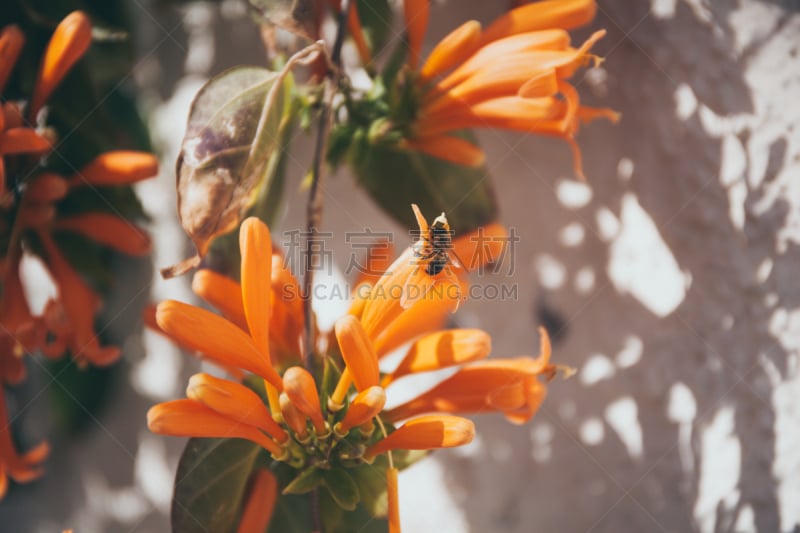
<point>670,283</point>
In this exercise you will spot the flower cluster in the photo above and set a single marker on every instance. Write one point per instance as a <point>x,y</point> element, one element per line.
<point>511,75</point>
<point>31,220</point>
<point>311,423</point>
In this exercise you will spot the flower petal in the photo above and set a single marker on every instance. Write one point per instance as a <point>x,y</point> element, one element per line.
<point>216,337</point>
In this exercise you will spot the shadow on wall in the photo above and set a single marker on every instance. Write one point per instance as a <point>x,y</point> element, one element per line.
<point>670,423</point>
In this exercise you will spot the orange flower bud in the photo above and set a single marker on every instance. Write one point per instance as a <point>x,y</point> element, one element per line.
<point>109,230</point>
<point>188,418</point>
<point>219,339</point>
<point>364,407</point>
<point>293,417</point>
<point>235,401</point>
<point>69,42</point>
<point>299,386</point>
<point>425,433</point>
<point>46,188</point>
<point>453,50</point>
<point>566,14</point>
<point>11,42</point>
<point>441,350</point>
<point>120,167</point>
<point>255,245</point>
<point>358,354</point>
<point>22,141</point>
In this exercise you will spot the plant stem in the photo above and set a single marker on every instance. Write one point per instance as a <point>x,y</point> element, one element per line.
<point>314,206</point>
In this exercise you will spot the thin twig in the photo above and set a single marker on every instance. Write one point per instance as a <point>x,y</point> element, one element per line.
<point>314,206</point>
<point>314,209</point>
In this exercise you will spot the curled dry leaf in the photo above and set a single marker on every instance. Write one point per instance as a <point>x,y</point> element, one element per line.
<point>301,17</point>
<point>233,131</point>
<point>225,151</point>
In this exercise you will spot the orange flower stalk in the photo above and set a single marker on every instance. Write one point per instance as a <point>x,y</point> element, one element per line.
<point>512,75</point>
<point>339,423</point>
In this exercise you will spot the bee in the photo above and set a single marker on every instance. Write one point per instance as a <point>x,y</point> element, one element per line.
<point>433,255</point>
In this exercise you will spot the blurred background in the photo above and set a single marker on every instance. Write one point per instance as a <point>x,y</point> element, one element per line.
<point>669,280</point>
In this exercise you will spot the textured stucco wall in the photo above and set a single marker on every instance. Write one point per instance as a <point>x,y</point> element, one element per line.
<point>670,282</point>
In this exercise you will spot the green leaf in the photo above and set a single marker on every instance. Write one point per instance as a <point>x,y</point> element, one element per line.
<point>80,395</point>
<point>376,20</point>
<point>337,520</point>
<point>210,484</point>
<point>292,512</point>
<point>371,481</point>
<point>233,129</point>
<point>396,178</point>
<point>342,488</point>
<point>305,482</point>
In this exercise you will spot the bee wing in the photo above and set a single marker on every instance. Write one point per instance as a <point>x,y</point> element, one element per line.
<point>455,260</point>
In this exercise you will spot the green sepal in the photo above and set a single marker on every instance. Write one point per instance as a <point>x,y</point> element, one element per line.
<point>305,481</point>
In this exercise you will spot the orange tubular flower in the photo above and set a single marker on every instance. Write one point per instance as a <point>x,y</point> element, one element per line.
<point>513,75</point>
<point>510,386</point>
<point>188,418</point>
<point>69,42</point>
<point>337,425</point>
<point>260,504</point>
<point>298,383</point>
